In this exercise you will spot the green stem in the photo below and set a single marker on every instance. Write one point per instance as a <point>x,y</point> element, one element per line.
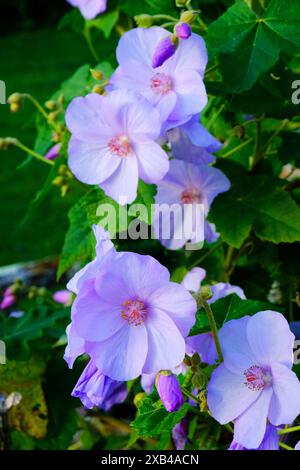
<point>287,430</point>
<point>213,326</point>
<point>211,69</point>
<point>237,148</point>
<point>257,148</point>
<point>215,116</point>
<point>87,35</point>
<point>275,134</point>
<point>35,103</point>
<point>165,17</point>
<point>168,24</point>
<point>285,446</point>
<point>31,152</point>
<point>206,255</point>
<point>189,395</point>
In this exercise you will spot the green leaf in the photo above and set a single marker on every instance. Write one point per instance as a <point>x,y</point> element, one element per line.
<point>249,45</point>
<point>150,7</point>
<point>255,203</point>
<point>146,194</point>
<point>153,420</point>
<point>228,308</point>
<point>105,22</point>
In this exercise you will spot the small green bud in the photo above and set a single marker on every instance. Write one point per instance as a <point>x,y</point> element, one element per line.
<point>206,293</point>
<point>98,89</point>
<point>97,74</point>
<point>15,107</point>
<point>50,104</point>
<point>188,16</point>
<point>14,98</point>
<point>144,21</point>
<point>181,3</point>
<point>138,399</point>
<point>61,100</point>
<point>64,190</point>
<point>199,379</point>
<point>52,117</point>
<point>58,181</point>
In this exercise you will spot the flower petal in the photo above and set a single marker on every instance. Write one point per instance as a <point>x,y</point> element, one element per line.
<point>166,346</point>
<point>193,279</point>
<point>285,403</point>
<point>122,356</point>
<point>122,185</point>
<point>153,161</point>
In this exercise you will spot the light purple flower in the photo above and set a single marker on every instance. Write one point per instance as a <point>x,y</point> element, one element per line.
<point>193,143</point>
<point>169,392</point>
<point>17,314</point>
<point>255,381</point>
<point>89,8</point>
<point>113,143</point>
<point>270,440</point>
<point>96,389</point>
<point>183,30</point>
<point>148,382</point>
<point>62,297</point>
<point>297,446</point>
<point>128,316</point>
<point>180,434</point>
<point>176,88</point>
<point>222,289</point>
<point>187,186</point>
<point>165,49</point>
<point>53,152</point>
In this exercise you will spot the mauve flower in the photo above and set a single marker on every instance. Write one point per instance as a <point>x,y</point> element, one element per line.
<point>62,297</point>
<point>8,299</point>
<point>89,8</point>
<point>176,88</point>
<point>53,152</point>
<point>270,440</point>
<point>169,392</point>
<point>165,49</point>
<point>183,30</point>
<point>297,446</point>
<point>113,143</point>
<point>193,143</point>
<point>180,434</point>
<point>148,380</point>
<point>96,389</point>
<point>255,381</point>
<point>187,186</point>
<point>128,317</point>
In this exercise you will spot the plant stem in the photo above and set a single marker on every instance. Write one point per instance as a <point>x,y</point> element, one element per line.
<point>189,395</point>
<point>36,104</point>
<point>87,35</point>
<point>275,134</point>
<point>285,446</point>
<point>165,17</point>
<point>31,152</point>
<point>213,326</point>
<point>287,430</point>
<point>215,116</point>
<point>237,148</point>
<point>257,150</point>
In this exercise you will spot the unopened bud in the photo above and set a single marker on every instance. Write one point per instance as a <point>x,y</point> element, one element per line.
<point>61,100</point>
<point>199,380</point>
<point>52,117</point>
<point>206,293</point>
<point>181,3</point>
<point>183,30</point>
<point>58,181</point>
<point>139,397</point>
<point>97,74</point>
<point>15,107</point>
<point>50,104</point>
<point>97,89</point>
<point>64,190</point>
<point>14,98</point>
<point>144,21</point>
<point>188,16</point>
<point>165,49</point>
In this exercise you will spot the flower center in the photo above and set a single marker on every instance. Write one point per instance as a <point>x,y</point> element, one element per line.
<point>189,196</point>
<point>134,311</point>
<point>257,378</point>
<point>120,145</point>
<point>161,84</point>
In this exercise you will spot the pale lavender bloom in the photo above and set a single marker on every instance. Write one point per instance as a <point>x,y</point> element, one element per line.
<point>270,440</point>
<point>53,152</point>
<point>96,389</point>
<point>180,434</point>
<point>165,49</point>
<point>188,186</point>
<point>297,446</point>
<point>169,392</point>
<point>89,8</point>
<point>176,88</point>
<point>62,297</point>
<point>148,382</point>
<point>222,289</point>
<point>193,143</point>
<point>113,143</point>
<point>183,30</point>
<point>255,381</point>
<point>128,316</point>
<point>17,314</point>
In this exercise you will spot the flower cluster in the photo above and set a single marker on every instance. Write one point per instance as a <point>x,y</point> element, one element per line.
<point>128,317</point>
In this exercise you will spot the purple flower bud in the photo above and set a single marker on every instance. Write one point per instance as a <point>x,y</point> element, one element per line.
<point>96,389</point>
<point>7,301</point>
<point>180,434</point>
<point>53,152</point>
<point>183,30</point>
<point>169,392</point>
<point>62,297</point>
<point>164,50</point>
<point>17,314</point>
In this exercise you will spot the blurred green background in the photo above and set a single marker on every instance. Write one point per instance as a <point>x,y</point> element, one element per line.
<point>35,57</point>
